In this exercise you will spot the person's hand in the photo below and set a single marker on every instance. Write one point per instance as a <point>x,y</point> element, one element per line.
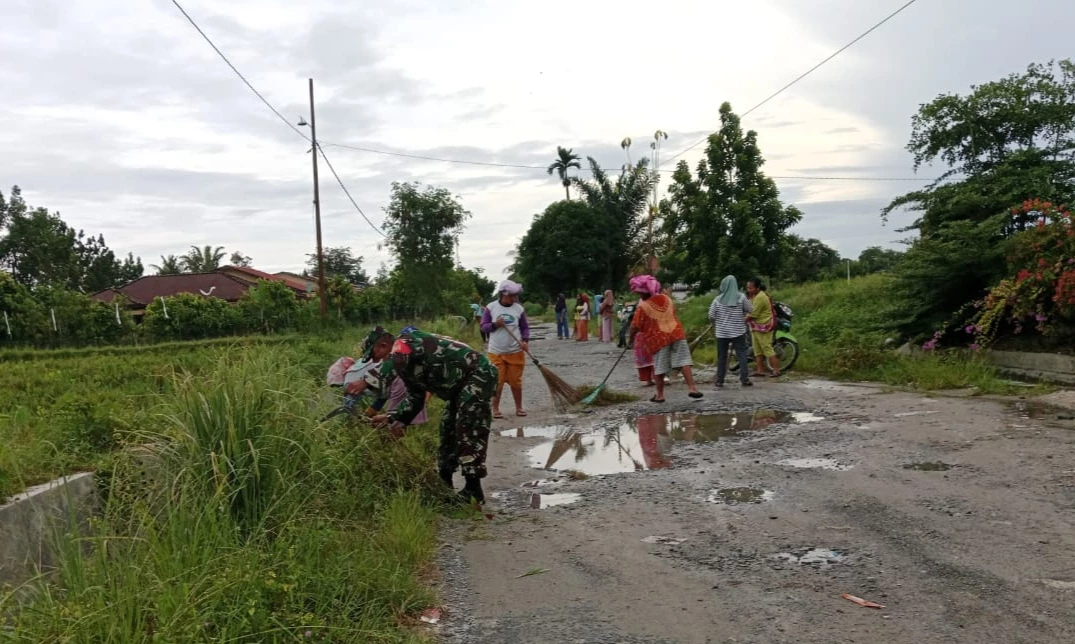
<point>525,345</point>
<point>370,412</point>
<point>379,421</point>
<point>396,430</point>
<point>499,323</point>
<point>355,388</point>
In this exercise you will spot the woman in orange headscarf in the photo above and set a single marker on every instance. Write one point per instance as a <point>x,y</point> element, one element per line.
<point>664,336</point>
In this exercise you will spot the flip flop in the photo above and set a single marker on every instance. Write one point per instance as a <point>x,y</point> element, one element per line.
<point>654,400</point>
<point>498,416</point>
<point>695,394</point>
<point>520,413</point>
<point>775,374</point>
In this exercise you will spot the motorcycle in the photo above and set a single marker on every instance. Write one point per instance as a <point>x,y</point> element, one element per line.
<point>784,344</point>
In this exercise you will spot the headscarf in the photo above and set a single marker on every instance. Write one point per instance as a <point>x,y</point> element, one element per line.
<point>508,287</point>
<point>561,302</point>
<point>371,339</point>
<point>728,294</point>
<point>645,285</point>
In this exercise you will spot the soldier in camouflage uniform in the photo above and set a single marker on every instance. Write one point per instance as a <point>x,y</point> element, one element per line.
<point>460,376</point>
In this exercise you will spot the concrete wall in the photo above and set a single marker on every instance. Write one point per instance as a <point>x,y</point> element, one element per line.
<point>1049,367</point>
<point>30,523</point>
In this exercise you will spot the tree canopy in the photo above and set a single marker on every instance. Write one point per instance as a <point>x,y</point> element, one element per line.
<point>340,261</point>
<point>565,160</point>
<point>205,259</point>
<point>567,247</point>
<point>728,218</point>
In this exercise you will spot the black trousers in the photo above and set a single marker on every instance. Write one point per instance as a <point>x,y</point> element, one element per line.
<point>740,346</point>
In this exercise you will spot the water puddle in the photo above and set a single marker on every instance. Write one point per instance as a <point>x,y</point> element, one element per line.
<point>537,431</point>
<point>815,464</point>
<point>737,495</point>
<point>643,443</point>
<point>907,414</point>
<point>1050,415</point>
<point>820,557</point>
<point>927,466</point>
<point>542,501</point>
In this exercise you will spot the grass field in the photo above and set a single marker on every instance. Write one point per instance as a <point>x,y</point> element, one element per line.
<point>254,520</point>
<point>842,334</point>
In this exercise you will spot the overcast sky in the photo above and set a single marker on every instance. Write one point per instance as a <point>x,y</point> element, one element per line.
<point>117,114</point>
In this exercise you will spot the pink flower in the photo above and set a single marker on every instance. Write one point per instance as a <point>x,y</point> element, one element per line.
<point>970,329</point>
<point>975,346</point>
<point>1039,317</point>
<point>930,346</point>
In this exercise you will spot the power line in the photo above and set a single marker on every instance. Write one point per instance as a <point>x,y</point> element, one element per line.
<point>348,192</point>
<point>277,113</point>
<point>803,75</point>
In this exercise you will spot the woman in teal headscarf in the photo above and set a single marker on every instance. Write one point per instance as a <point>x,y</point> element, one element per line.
<point>728,313</point>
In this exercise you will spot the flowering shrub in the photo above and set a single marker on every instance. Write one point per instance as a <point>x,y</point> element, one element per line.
<point>1041,294</point>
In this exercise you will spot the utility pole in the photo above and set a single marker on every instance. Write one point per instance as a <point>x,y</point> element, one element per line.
<point>322,295</point>
<point>849,271</point>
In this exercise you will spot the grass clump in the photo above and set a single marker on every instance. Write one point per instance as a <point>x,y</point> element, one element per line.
<point>606,397</point>
<point>253,522</point>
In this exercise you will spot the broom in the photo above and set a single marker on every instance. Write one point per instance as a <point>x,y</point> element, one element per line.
<point>593,394</point>
<point>562,393</point>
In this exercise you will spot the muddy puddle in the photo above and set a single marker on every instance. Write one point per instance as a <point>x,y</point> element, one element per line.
<point>542,500</point>
<point>738,495</point>
<point>928,466</point>
<point>830,464</point>
<point>642,443</point>
<point>1050,415</point>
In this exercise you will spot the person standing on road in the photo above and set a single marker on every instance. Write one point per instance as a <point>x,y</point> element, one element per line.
<point>728,313</point>
<point>457,374</point>
<point>562,332</point>
<point>582,318</point>
<point>762,325</point>
<point>664,336</point>
<point>509,334</point>
<point>608,313</point>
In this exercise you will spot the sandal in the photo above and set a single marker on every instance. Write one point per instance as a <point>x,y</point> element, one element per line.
<point>654,400</point>
<point>695,394</point>
<point>520,413</point>
<point>775,374</point>
<point>498,416</point>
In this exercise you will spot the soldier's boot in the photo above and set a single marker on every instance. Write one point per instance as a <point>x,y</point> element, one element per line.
<point>446,476</point>
<point>472,490</point>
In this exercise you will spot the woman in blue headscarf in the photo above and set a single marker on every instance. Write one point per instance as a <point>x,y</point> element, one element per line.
<point>728,313</point>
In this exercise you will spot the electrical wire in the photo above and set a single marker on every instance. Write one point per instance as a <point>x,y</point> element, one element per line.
<point>802,76</point>
<point>278,114</point>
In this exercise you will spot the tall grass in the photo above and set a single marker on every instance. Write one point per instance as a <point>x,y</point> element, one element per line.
<point>253,523</point>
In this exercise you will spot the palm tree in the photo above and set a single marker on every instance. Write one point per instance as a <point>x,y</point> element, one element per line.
<point>202,260</point>
<point>170,265</point>
<point>567,160</point>
<point>623,203</point>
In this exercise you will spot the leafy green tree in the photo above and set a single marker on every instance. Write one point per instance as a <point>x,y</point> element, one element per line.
<point>481,285</point>
<point>565,160</point>
<point>877,260</point>
<point>268,307</point>
<point>190,317</point>
<point>728,219</point>
<point>422,227</point>
<point>170,265</point>
<point>622,205</point>
<point>202,260</point>
<point>27,318</point>
<point>39,249</point>
<point>806,260</point>
<point>1007,141</point>
<point>339,262</point>
<point>566,247</point>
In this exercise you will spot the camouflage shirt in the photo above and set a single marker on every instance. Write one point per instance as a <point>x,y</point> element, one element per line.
<point>427,363</point>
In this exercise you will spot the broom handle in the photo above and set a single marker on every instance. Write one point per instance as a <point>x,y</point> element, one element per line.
<point>514,337</point>
<point>614,365</point>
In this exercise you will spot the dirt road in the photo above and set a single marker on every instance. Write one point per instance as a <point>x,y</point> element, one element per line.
<point>745,516</point>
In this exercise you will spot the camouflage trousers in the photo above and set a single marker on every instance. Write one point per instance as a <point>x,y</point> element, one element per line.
<point>467,420</point>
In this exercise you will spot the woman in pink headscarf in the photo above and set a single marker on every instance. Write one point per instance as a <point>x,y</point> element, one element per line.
<point>664,336</point>
<point>608,313</point>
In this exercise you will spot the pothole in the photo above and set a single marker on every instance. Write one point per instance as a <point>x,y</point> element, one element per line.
<point>817,557</point>
<point>928,466</point>
<point>737,495</point>
<point>537,431</point>
<point>540,501</point>
<point>1050,415</point>
<point>643,443</point>
<point>815,464</point>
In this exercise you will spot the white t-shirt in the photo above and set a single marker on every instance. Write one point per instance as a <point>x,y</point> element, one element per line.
<point>500,341</point>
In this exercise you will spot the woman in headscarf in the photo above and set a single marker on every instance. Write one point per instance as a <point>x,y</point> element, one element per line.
<point>762,326</point>
<point>509,332</point>
<point>582,318</point>
<point>562,332</point>
<point>728,313</point>
<point>664,337</point>
<point>608,313</point>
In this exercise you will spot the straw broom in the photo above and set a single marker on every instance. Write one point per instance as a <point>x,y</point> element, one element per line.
<point>563,394</point>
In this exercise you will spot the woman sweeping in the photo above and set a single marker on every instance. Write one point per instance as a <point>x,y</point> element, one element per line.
<point>509,332</point>
<point>643,360</point>
<point>664,337</point>
<point>608,313</point>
